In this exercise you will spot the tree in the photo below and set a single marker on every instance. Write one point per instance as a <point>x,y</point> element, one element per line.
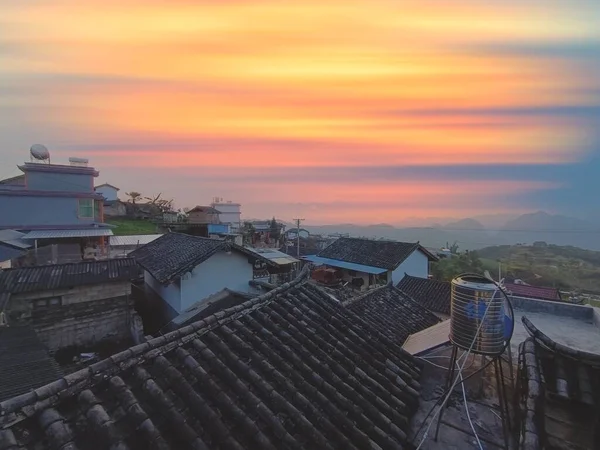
<point>133,196</point>
<point>448,268</point>
<point>275,231</point>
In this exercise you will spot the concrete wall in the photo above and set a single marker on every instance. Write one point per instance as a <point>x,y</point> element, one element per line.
<point>108,192</point>
<point>66,182</point>
<point>86,316</point>
<point>170,293</point>
<point>220,271</point>
<point>23,211</point>
<point>416,265</point>
<point>580,312</point>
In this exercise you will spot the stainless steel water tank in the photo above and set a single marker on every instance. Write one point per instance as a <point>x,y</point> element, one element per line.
<point>471,297</point>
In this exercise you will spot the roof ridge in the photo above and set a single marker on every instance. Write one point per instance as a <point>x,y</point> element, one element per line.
<point>364,295</point>
<point>85,378</point>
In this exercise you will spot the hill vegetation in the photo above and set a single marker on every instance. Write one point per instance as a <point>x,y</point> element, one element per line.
<point>564,267</point>
<point>128,226</point>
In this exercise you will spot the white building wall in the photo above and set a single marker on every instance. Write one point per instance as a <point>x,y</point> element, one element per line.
<point>416,265</point>
<point>230,213</point>
<point>220,271</point>
<point>170,293</point>
<point>109,193</point>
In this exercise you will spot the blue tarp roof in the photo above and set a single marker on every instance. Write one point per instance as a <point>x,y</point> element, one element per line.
<point>344,265</point>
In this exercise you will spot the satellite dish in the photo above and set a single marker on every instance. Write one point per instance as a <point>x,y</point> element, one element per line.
<point>39,152</point>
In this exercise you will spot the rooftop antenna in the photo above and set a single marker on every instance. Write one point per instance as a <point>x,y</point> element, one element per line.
<point>39,153</point>
<point>298,236</point>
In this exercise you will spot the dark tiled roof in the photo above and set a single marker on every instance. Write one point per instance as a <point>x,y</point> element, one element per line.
<point>174,254</point>
<point>392,313</point>
<point>384,254</point>
<point>8,252</point>
<point>57,276</point>
<point>556,381</point>
<point>206,209</point>
<point>525,290</point>
<point>432,294</point>
<point>24,362</point>
<point>289,369</point>
<point>223,299</point>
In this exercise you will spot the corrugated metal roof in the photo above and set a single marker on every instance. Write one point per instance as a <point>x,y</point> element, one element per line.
<point>137,239</point>
<point>274,255</point>
<point>75,233</point>
<point>344,264</point>
<point>14,238</point>
<point>40,278</point>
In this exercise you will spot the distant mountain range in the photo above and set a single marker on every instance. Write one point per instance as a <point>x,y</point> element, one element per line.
<point>471,233</point>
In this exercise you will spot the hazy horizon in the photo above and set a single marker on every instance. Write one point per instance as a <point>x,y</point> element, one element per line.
<point>338,112</point>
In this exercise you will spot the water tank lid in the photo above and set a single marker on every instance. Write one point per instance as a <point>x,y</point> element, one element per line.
<point>474,281</point>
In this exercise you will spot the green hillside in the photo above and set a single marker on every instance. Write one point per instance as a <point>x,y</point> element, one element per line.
<point>568,268</point>
<point>131,226</point>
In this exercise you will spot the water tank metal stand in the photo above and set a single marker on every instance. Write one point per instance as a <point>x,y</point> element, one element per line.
<point>503,403</point>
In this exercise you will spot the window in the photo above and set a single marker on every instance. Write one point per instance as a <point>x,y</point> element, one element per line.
<point>97,209</point>
<point>86,208</point>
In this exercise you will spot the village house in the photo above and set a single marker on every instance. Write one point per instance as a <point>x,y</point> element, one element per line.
<point>366,263</point>
<point>108,191</point>
<point>74,304</point>
<point>113,206</point>
<point>230,213</point>
<point>431,294</point>
<point>516,289</point>
<point>203,214</point>
<point>55,204</point>
<point>291,368</point>
<point>271,265</point>
<point>323,372</point>
<point>183,269</point>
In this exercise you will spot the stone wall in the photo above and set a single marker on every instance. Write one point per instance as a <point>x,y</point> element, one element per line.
<point>85,316</point>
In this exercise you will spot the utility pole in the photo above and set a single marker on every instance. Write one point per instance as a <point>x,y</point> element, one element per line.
<point>298,236</point>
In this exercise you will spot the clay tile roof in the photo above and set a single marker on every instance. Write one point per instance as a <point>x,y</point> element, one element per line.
<point>24,362</point>
<point>174,254</point>
<point>289,369</point>
<point>525,290</point>
<point>432,294</point>
<point>368,252</point>
<point>392,313</point>
<point>556,381</point>
<point>58,276</point>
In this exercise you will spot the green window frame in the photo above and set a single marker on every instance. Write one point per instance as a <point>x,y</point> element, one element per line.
<point>86,208</point>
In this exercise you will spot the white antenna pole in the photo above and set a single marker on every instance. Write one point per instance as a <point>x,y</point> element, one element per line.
<point>298,236</point>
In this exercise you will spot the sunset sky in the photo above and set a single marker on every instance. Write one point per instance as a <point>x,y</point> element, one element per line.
<point>361,111</point>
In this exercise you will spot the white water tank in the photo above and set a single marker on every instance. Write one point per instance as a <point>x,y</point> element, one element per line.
<point>472,296</point>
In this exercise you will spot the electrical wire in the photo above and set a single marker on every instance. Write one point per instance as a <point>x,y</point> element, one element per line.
<point>464,392</point>
<point>426,359</point>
